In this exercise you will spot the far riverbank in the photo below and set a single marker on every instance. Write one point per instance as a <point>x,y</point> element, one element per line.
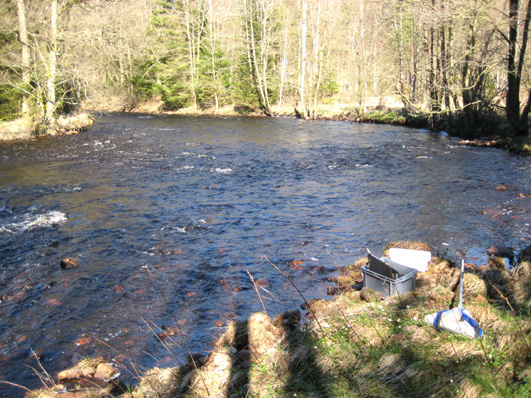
<point>395,115</point>
<point>25,128</point>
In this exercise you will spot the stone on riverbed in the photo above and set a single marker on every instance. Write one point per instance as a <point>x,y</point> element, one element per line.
<point>76,373</point>
<point>69,262</point>
<point>96,369</point>
<point>106,372</point>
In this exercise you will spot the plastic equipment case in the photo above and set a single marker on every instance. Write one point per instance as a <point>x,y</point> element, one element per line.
<point>388,277</point>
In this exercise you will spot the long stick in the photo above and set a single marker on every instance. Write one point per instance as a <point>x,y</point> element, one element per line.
<point>14,385</point>
<point>462,283</point>
<point>257,292</point>
<point>298,291</point>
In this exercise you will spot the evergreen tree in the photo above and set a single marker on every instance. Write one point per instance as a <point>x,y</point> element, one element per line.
<point>10,69</point>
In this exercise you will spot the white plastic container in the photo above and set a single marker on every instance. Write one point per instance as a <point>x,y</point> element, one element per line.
<point>417,259</point>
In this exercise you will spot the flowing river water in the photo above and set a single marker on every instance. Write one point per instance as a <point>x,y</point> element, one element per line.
<point>168,215</point>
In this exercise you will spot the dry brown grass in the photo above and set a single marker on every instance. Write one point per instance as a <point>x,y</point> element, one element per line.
<point>212,380</point>
<point>156,383</point>
<point>497,262</point>
<point>482,311</point>
<point>522,286</point>
<point>263,336</point>
<point>406,245</point>
<point>469,390</point>
<point>25,128</point>
<point>19,129</point>
<point>72,124</point>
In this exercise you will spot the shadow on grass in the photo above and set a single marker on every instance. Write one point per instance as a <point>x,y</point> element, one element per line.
<point>239,377</point>
<point>305,375</point>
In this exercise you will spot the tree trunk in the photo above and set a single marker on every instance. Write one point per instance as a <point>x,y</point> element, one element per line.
<point>23,36</point>
<point>192,53</point>
<point>399,28</point>
<point>50,104</point>
<point>284,65</point>
<point>316,75</point>
<point>257,34</point>
<point>362,67</point>
<point>517,118</point>
<point>302,84</point>
<point>264,53</point>
<point>213,54</point>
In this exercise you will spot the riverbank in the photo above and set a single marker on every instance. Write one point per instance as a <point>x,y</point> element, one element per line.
<point>26,128</point>
<point>354,345</point>
<point>393,114</point>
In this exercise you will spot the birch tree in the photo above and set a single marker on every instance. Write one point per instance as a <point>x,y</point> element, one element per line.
<point>258,36</point>
<point>284,63</point>
<point>301,111</point>
<point>25,55</point>
<point>215,82</point>
<point>194,18</point>
<point>52,65</point>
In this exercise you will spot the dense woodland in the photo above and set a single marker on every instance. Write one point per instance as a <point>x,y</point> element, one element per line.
<point>460,64</point>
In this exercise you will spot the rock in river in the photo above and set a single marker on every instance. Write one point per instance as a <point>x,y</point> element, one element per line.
<point>69,262</point>
<point>76,373</point>
<point>106,372</point>
<point>501,251</point>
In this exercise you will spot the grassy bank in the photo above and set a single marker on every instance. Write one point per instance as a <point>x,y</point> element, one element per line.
<point>25,127</point>
<point>18,129</point>
<point>355,346</point>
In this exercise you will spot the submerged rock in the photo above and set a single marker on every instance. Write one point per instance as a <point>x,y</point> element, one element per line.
<point>501,251</point>
<point>69,262</point>
<point>262,282</point>
<point>94,369</point>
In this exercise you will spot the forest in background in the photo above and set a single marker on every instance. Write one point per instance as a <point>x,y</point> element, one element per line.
<point>459,65</point>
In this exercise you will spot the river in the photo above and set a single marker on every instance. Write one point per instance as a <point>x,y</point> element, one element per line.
<point>168,215</point>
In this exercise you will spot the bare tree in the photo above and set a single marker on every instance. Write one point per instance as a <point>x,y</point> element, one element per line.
<point>284,64</point>
<point>258,15</point>
<point>517,41</point>
<point>23,37</point>
<point>301,111</point>
<point>52,64</point>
